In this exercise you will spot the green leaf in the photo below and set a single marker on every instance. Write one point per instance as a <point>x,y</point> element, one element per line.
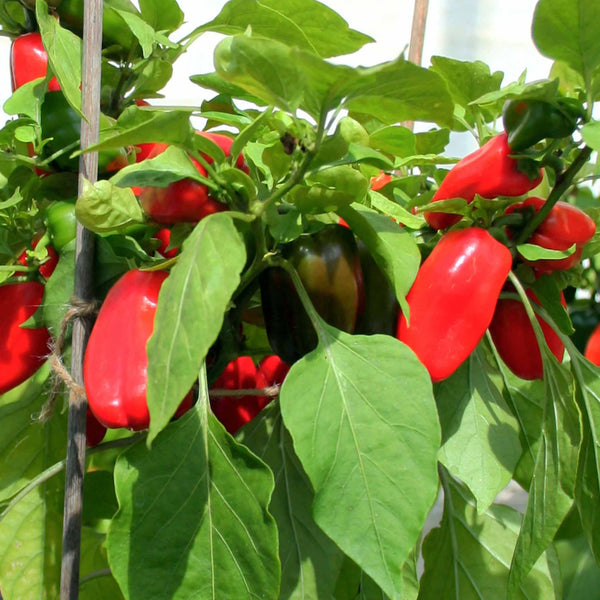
<point>305,24</point>
<point>141,29</point>
<point>579,570</point>
<point>397,140</point>
<point>135,126</point>
<point>393,249</point>
<point>310,561</point>
<point>399,91</point>
<point>31,532</point>
<point>64,54</point>
<point>394,210</point>
<point>193,519</point>
<point>468,555</point>
<point>26,99</point>
<point>95,581</point>
<point>368,448</point>
<point>171,165</point>
<point>191,307</point>
<point>535,252</point>
<point>104,207</point>
<point>587,489</point>
<point>567,30</point>
<point>432,142</point>
<point>591,134</point>
<point>554,471</point>
<point>162,15</point>
<point>480,436</point>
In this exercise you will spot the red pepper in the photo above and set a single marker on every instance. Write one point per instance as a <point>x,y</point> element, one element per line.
<point>513,336</point>
<point>380,180</point>
<point>185,200</point>
<point>564,226</point>
<point>164,237</point>
<point>235,411</point>
<point>22,351</point>
<point>115,363</point>
<point>29,61</point>
<point>453,298</point>
<point>46,268</point>
<point>224,142</point>
<point>592,347</point>
<point>273,371</point>
<point>488,172</point>
<point>94,430</point>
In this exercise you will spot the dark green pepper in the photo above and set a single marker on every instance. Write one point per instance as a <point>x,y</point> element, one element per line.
<point>61,126</point>
<point>379,313</point>
<point>528,121</point>
<point>329,267</point>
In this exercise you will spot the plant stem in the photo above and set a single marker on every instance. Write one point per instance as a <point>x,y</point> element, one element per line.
<point>563,182</point>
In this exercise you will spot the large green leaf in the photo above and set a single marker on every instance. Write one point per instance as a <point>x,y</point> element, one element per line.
<point>190,312</point>
<point>567,30</point>
<point>310,561</point>
<point>368,444</point>
<point>193,519</point>
<point>64,54</point>
<point>554,471</point>
<point>305,24</point>
<point>468,556</point>
<point>481,437</point>
<point>31,529</point>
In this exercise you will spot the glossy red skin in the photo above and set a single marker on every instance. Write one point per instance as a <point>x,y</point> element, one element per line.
<point>94,430</point>
<point>183,201</point>
<point>380,180</point>
<point>515,340</point>
<point>29,61</point>
<point>47,268</point>
<point>564,226</point>
<point>273,371</point>
<point>22,351</point>
<point>224,142</point>
<point>115,367</point>
<point>453,298</point>
<point>488,172</point>
<point>236,411</point>
<point>592,347</point>
<point>164,237</point>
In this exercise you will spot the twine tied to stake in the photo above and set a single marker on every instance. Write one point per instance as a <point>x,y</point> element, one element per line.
<point>78,309</point>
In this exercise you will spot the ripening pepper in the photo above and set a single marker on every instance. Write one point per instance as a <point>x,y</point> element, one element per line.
<point>379,310</point>
<point>22,351</point>
<point>115,367</point>
<point>29,61</point>
<point>564,226</point>
<point>488,172</point>
<point>528,121</point>
<point>453,298</point>
<point>514,338</point>
<point>329,267</point>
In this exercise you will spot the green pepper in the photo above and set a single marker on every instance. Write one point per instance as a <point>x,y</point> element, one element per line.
<point>529,121</point>
<point>329,267</point>
<point>380,310</point>
<point>61,126</point>
<point>61,222</point>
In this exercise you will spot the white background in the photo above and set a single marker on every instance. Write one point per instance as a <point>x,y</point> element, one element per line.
<point>497,33</point>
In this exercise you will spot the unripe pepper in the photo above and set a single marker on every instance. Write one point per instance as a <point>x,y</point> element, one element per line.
<point>527,121</point>
<point>564,226</point>
<point>328,265</point>
<point>514,338</point>
<point>115,367</point>
<point>488,172</point>
<point>29,61</point>
<point>22,351</point>
<point>453,298</point>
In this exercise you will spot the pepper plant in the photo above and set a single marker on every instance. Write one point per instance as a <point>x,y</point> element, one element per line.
<point>323,282</point>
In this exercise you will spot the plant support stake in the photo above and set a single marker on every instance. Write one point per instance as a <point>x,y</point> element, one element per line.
<point>88,169</point>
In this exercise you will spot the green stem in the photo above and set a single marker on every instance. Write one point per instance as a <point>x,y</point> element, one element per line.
<point>563,182</point>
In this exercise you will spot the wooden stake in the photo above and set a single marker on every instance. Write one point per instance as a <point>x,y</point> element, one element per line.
<point>88,169</point>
